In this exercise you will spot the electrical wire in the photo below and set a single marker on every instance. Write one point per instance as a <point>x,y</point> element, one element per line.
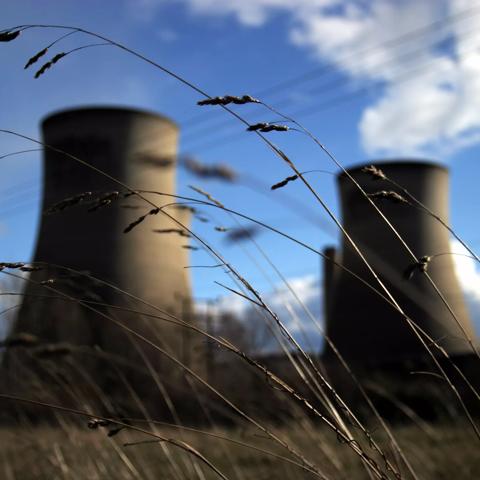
<point>312,109</point>
<point>268,92</point>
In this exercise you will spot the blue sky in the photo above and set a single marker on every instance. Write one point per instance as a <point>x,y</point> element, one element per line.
<point>377,79</point>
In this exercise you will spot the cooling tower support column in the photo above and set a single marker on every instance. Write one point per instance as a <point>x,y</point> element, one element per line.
<point>366,328</point>
<point>137,148</point>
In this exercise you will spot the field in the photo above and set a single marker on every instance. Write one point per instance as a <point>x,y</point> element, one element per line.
<point>442,452</point>
<point>80,410</point>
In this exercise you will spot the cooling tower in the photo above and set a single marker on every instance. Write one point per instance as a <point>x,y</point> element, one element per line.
<point>364,328</point>
<point>137,148</point>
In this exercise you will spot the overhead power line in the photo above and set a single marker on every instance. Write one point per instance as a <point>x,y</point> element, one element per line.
<point>326,69</point>
<point>315,73</point>
<point>19,208</point>
<point>213,142</point>
<point>322,89</point>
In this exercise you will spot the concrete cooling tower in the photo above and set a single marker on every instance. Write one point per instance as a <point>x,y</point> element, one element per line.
<point>364,328</point>
<point>137,148</point>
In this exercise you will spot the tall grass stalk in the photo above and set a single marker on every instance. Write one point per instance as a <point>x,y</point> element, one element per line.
<point>340,417</point>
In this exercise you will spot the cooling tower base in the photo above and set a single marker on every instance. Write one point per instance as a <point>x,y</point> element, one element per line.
<point>404,390</point>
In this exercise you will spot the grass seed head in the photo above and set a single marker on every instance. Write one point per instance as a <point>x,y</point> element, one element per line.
<point>9,36</point>
<point>241,234</point>
<point>424,262</point>
<point>49,64</point>
<point>104,201</point>
<point>68,202</point>
<point>228,99</point>
<point>388,195</point>
<point>421,266</point>
<point>267,127</point>
<point>13,265</point>
<point>129,194</point>
<point>207,195</point>
<point>43,69</point>
<point>30,268</point>
<point>139,220</point>
<point>179,231</point>
<point>284,182</point>
<point>35,58</point>
<point>219,171</point>
<point>156,161</point>
<point>94,423</point>
<point>57,57</point>
<point>375,172</point>
<point>136,222</point>
<point>186,208</point>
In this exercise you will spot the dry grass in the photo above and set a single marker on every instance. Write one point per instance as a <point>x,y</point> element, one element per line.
<point>46,453</point>
<point>338,446</point>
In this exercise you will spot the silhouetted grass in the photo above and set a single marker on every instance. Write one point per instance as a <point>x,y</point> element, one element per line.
<point>312,431</point>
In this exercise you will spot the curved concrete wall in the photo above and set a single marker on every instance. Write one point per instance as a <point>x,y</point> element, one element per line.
<point>362,326</point>
<point>137,148</point>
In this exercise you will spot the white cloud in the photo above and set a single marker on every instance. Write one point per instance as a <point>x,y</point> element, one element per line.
<point>286,306</point>
<point>428,100</point>
<point>413,117</point>
<point>309,291</point>
<point>468,273</point>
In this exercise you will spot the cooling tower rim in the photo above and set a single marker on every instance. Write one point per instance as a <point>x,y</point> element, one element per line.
<point>60,115</point>
<point>393,163</point>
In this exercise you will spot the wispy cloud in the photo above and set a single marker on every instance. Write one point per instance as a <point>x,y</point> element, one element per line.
<point>167,35</point>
